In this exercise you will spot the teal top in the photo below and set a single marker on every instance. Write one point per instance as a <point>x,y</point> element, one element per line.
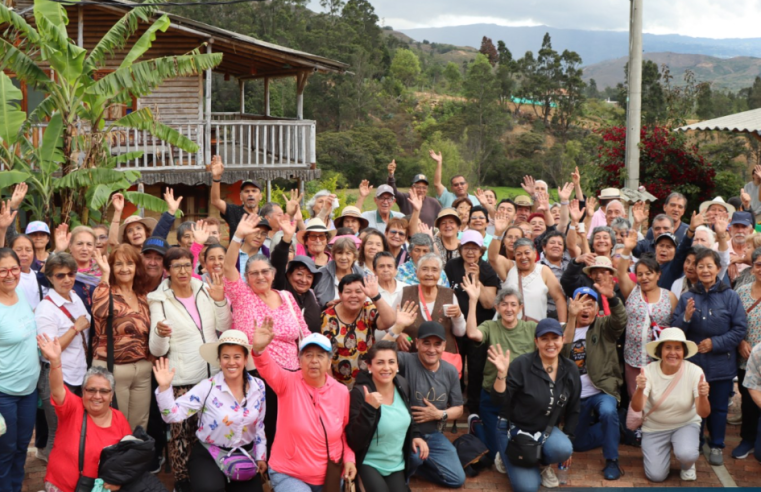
<point>19,360</point>
<point>386,448</point>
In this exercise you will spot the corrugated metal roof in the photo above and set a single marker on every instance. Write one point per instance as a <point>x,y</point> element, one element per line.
<point>745,122</point>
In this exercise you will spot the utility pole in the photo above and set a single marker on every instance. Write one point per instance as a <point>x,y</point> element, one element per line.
<point>634,97</point>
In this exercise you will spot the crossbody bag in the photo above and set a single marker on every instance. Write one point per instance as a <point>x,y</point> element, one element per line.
<point>523,449</point>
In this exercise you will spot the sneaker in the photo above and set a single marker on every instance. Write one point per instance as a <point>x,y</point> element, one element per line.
<point>689,475</point>
<point>182,486</point>
<point>611,471</point>
<point>160,462</point>
<point>743,450</point>
<point>40,454</point>
<point>638,437</point>
<point>499,465</point>
<point>716,458</point>
<point>549,479</point>
<point>473,420</point>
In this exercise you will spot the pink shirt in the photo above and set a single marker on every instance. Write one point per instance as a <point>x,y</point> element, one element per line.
<point>598,220</point>
<point>190,305</point>
<point>289,322</point>
<point>300,449</point>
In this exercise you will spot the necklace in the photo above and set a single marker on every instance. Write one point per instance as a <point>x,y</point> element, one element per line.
<point>548,369</point>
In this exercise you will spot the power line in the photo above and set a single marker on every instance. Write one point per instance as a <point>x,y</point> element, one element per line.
<point>164,4</point>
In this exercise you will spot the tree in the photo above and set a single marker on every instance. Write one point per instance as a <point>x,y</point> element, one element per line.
<point>570,97</point>
<point>361,153</point>
<point>82,103</point>
<point>592,91</point>
<point>505,73</point>
<point>405,67</point>
<point>754,94</point>
<point>453,75</point>
<point>654,108</point>
<point>488,50</point>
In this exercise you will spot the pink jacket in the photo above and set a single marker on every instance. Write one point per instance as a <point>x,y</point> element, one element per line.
<point>299,449</point>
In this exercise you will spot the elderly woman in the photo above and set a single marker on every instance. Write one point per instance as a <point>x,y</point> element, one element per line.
<point>381,430</point>
<point>92,413</point>
<point>322,208</point>
<point>539,388</point>
<point>463,205</point>
<point>238,402</point>
<point>712,315</point>
<point>350,325</point>
<point>185,235</point>
<point>185,313</point>
<point>19,372</point>
<point>672,395</point>
<point>101,237</point>
<point>314,416</point>
<point>509,332</point>
<point>351,217</point>
<point>133,231</point>
<point>313,242</point>
<point>30,281</point>
<point>535,282</point>
<point>447,241</point>
<point>396,236</point>
<point>436,302</point>
<point>82,243</point>
<point>373,243</point>
<point>705,237</point>
<point>344,262</point>
<point>62,314</point>
<point>420,245</point>
<point>122,324</point>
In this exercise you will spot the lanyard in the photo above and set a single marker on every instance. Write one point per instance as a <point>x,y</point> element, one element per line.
<point>423,303</point>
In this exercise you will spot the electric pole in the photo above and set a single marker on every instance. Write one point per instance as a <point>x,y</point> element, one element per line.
<point>634,97</point>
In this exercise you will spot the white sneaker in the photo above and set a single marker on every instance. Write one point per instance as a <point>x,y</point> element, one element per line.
<point>40,454</point>
<point>689,475</point>
<point>549,479</point>
<point>499,465</point>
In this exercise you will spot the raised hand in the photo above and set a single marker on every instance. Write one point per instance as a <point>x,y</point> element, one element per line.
<point>703,387</point>
<point>528,185</point>
<point>436,157</point>
<point>630,241</point>
<point>216,287</point>
<point>371,286</point>
<point>102,261</point>
<point>638,212</point>
<point>543,201</point>
<point>292,204</point>
<point>501,360</point>
<point>51,349</point>
<point>606,288</point>
<point>745,198</point>
<point>365,188</point>
<point>216,167</point>
<point>392,168</point>
<point>564,192</point>
<point>576,177</point>
<point>263,335</point>
<point>118,202</point>
<point>200,232</point>
<point>287,226</point>
<point>501,223</point>
<point>172,205</point>
<point>62,237</point>
<point>247,225</point>
<point>696,221</point>
<point>591,205</point>
<point>472,288</point>
<point>163,374</point>
<point>373,399</point>
<point>481,195</point>
<point>641,379</point>
<point>689,309</point>
<point>576,304</point>
<point>416,201</point>
<point>721,224</point>
<point>757,171</point>
<point>405,315</point>
<point>19,192</point>
<point>425,229</point>
<point>576,213</point>
<point>7,216</point>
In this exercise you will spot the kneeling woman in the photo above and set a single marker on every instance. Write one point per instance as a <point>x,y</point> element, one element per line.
<point>232,413</point>
<point>672,414</point>
<point>529,392</point>
<point>381,431</point>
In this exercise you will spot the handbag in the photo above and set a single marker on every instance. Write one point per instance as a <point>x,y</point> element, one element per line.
<point>349,486</point>
<point>634,420</point>
<point>84,484</point>
<point>454,359</point>
<point>110,343</point>
<point>266,484</point>
<point>526,451</point>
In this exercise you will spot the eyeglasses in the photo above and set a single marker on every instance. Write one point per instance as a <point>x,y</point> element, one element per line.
<point>102,237</point>
<point>386,199</point>
<point>395,232</point>
<point>94,391</point>
<point>182,266</point>
<point>61,276</point>
<point>13,271</point>
<point>318,239</point>
<point>260,273</point>
<point>260,234</point>
<point>477,217</point>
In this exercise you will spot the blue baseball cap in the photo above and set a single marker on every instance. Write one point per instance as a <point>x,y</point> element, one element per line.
<point>157,244</point>
<point>316,339</point>
<point>548,325</point>
<point>586,290</point>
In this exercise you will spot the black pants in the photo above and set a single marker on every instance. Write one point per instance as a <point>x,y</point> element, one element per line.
<point>270,417</point>
<point>375,482</point>
<point>156,426</point>
<point>750,412</point>
<point>205,475</point>
<point>474,354</point>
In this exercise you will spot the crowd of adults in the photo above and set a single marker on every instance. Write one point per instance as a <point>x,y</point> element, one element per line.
<point>340,347</point>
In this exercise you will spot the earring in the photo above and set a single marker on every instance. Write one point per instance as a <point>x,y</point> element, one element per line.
<point>369,372</point>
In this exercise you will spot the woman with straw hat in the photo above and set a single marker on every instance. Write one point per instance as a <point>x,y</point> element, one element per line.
<point>231,406</point>
<point>313,242</point>
<point>672,395</point>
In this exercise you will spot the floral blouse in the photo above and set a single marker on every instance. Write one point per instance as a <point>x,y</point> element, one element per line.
<point>638,331</point>
<point>753,335</point>
<point>350,341</point>
<point>224,421</point>
<point>289,321</point>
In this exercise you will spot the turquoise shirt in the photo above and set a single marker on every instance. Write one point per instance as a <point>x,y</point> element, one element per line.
<point>19,360</point>
<point>447,199</point>
<point>386,448</point>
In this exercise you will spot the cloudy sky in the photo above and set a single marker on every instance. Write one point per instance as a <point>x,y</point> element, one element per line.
<point>699,18</point>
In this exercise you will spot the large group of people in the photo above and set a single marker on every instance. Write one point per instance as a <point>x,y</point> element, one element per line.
<point>339,345</point>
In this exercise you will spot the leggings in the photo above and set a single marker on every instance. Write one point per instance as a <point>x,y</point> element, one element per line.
<point>373,481</point>
<point>205,475</point>
<point>183,440</point>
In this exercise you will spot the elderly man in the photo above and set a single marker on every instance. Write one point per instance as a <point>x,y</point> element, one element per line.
<point>431,207</point>
<point>600,217</point>
<point>739,229</point>
<point>673,207</point>
<point>712,208</point>
<point>420,245</point>
<point>523,206</point>
<point>459,185</point>
<point>153,251</point>
<point>662,224</point>
<point>384,200</point>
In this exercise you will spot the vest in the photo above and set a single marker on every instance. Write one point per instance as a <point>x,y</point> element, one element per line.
<point>445,296</point>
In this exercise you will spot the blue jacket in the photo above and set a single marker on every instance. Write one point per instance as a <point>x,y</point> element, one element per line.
<point>720,316</point>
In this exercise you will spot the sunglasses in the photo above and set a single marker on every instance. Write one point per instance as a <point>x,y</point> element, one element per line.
<point>61,276</point>
<point>394,232</point>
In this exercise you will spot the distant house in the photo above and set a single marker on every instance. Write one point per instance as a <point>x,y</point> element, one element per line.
<point>252,146</point>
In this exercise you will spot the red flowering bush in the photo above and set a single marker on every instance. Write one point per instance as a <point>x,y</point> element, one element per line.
<point>667,164</point>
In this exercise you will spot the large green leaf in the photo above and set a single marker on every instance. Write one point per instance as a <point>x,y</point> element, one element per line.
<point>86,177</point>
<point>115,160</point>
<point>143,120</point>
<point>18,62</point>
<point>10,178</point>
<point>11,115</point>
<point>66,58</point>
<point>54,12</point>
<point>50,150</point>
<point>116,38</point>
<point>146,201</point>
<point>97,196</point>
<point>19,24</point>
<point>146,41</point>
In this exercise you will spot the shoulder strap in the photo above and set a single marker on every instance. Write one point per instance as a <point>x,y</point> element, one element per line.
<point>203,408</point>
<point>747,311</point>
<point>668,391</point>
<point>110,333</point>
<point>82,436</point>
<point>520,287</point>
<point>555,415</point>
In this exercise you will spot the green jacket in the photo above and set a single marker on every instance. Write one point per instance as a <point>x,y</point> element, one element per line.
<point>603,367</point>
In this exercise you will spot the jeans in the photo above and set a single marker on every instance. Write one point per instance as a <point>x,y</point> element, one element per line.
<point>286,483</point>
<point>442,466</point>
<point>19,413</point>
<point>503,427</point>
<point>556,449</point>
<point>718,397</point>
<point>489,415</point>
<point>605,432</point>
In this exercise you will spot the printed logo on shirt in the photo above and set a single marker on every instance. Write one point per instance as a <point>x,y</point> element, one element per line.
<point>579,355</point>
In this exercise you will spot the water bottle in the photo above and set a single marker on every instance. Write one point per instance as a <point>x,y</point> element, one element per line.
<point>562,474</point>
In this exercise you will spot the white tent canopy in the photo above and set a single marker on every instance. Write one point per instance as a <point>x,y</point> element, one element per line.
<point>745,122</point>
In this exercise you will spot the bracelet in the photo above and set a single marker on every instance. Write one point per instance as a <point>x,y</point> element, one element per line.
<point>56,367</point>
<point>220,303</point>
<point>376,298</point>
<point>393,335</point>
<point>571,227</point>
<point>501,379</point>
<point>691,230</point>
<point>565,202</point>
<point>625,257</point>
<point>237,240</point>
<point>216,180</point>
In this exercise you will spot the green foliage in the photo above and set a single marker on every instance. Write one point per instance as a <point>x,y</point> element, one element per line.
<point>361,153</point>
<point>405,67</point>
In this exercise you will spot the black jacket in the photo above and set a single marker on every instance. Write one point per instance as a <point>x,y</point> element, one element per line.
<point>307,301</point>
<point>574,277</point>
<point>127,460</point>
<point>527,398</point>
<point>364,418</point>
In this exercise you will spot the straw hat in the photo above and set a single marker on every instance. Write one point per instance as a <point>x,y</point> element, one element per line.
<point>351,211</point>
<point>210,350</point>
<point>600,262</point>
<point>148,223</point>
<point>672,335</point>
<point>717,201</point>
<point>447,212</point>
<point>315,225</point>
<point>610,194</point>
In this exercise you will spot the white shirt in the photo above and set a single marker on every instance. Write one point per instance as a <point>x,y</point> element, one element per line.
<point>52,321</point>
<point>28,282</point>
<point>374,219</point>
<point>579,357</point>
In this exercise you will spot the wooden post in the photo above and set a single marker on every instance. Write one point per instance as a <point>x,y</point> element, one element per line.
<point>242,84</point>
<point>301,83</point>
<point>269,190</point>
<point>207,110</point>
<point>266,96</point>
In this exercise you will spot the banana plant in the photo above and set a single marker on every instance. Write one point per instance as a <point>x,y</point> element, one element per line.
<point>73,159</point>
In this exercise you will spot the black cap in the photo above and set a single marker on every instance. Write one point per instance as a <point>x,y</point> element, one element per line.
<point>157,244</point>
<point>308,263</point>
<point>252,183</point>
<point>432,329</point>
<point>264,223</point>
<point>667,235</point>
<point>548,325</point>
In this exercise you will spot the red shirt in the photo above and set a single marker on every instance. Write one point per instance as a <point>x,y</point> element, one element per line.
<point>63,465</point>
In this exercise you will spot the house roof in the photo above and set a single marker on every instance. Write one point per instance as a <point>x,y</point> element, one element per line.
<point>745,122</point>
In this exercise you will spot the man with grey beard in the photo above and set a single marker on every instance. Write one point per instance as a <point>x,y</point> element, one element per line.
<point>739,229</point>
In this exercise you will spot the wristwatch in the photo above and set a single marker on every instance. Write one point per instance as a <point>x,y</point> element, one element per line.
<point>444,416</point>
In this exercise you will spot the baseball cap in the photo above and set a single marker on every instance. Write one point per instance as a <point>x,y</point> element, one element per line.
<point>264,223</point>
<point>548,325</point>
<point>585,290</point>
<point>37,226</point>
<point>738,218</point>
<point>432,329</point>
<point>316,339</point>
<point>251,182</point>
<point>667,235</point>
<point>471,236</point>
<point>418,178</point>
<point>157,244</point>
<point>384,189</point>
